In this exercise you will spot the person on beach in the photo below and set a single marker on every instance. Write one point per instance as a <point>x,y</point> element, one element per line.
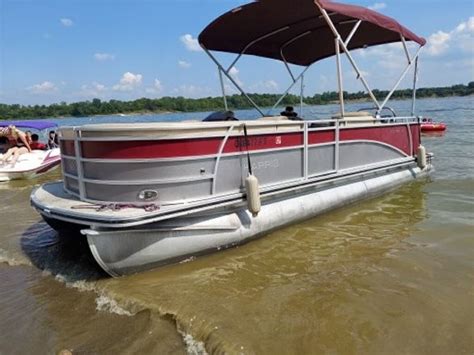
<point>19,144</point>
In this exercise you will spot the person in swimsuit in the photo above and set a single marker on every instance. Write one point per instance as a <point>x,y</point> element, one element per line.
<point>36,144</point>
<point>19,142</point>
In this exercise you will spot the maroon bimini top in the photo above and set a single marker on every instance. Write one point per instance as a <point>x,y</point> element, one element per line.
<point>296,30</point>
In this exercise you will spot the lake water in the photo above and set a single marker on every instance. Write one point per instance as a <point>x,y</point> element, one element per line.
<point>393,275</point>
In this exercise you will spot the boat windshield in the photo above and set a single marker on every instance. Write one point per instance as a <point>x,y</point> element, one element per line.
<point>32,124</point>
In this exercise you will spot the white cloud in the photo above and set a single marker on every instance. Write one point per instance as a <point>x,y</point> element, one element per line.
<point>128,82</point>
<point>156,89</point>
<point>438,43</point>
<point>464,35</point>
<point>383,51</point>
<point>101,57</point>
<point>388,56</point>
<point>378,6</point>
<point>323,84</point>
<point>460,38</point>
<point>353,74</point>
<point>95,89</point>
<point>190,43</point>
<point>158,85</point>
<point>234,73</point>
<point>44,87</point>
<point>183,64</point>
<point>267,86</point>
<point>271,84</point>
<point>66,22</point>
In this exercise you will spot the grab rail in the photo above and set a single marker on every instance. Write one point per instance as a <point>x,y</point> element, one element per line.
<point>302,127</point>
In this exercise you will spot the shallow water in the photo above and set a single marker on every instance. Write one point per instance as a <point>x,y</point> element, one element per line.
<point>389,275</point>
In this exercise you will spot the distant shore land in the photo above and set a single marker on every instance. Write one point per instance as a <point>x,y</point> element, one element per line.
<point>96,107</point>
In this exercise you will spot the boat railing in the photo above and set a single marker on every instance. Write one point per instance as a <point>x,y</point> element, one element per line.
<point>76,179</point>
<point>374,108</point>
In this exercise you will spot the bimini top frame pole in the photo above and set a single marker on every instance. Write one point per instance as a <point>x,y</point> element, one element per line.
<point>301,37</point>
<point>343,44</point>
<point>227,71</point>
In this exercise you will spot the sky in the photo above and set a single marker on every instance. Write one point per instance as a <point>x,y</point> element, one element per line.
<point>55,51</point>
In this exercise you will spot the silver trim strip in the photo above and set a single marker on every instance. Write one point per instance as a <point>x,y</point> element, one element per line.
<point>221,202</point>
<point>149,181</point>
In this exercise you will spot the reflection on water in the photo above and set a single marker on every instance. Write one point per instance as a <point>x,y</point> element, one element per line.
<point>433,134</point>
<point>391,275</point>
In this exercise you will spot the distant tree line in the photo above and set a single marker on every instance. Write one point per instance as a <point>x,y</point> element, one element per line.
<point>181,104</point>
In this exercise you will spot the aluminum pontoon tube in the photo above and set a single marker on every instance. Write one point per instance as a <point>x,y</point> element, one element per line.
<point>126,251</point>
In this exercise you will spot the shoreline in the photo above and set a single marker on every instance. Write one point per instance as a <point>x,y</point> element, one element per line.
<point>158,113</point>
<point>165,112</point>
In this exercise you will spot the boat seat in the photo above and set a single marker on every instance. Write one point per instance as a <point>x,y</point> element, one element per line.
<point>355,118</point>
<point>349,115</point>
<point>220,116</point>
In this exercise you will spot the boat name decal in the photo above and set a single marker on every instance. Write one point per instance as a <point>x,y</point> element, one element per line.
<point>264,164</point>
<point>242,142</point>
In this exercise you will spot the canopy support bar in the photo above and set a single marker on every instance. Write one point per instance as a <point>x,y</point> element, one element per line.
<point>346,51</point>
<point>406,49</point>
<point>232,80</point>
<point>289,88</point>
<point>301,96</point>
<point>227,71</point>
<point>253,42</point>
<point>339,76</point>
<point>354,29</point>
<point>359,73</point>
<point>399,80</point>
<point>341,45</point>
<point>289,69</point>
<point>415,79</point>
<point>286,45</point>
<point>221,79</point>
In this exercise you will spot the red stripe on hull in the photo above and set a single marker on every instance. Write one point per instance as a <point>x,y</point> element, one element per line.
<point>320,137</point>
<point>48,167</point>
<point>186,147</point>
<point>396,136</point>
<point>150,149</point>
<point>67,147</point>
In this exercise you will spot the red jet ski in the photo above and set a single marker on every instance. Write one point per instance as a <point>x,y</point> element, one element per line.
<point>427,125</point>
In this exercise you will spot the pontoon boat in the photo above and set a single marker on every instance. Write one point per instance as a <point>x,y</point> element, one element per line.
<point>155,193</point>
